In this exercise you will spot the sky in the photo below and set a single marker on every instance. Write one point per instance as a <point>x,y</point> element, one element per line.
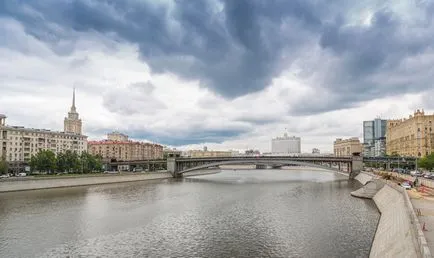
<point>224,74</point>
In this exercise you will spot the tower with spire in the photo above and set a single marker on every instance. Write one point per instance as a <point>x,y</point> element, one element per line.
<point>72,123</point>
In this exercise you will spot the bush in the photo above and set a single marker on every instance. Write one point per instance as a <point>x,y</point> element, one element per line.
<point>386,176</point>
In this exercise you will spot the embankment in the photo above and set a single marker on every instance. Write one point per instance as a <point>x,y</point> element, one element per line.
<point>398,233</point>
<point>42,183</point>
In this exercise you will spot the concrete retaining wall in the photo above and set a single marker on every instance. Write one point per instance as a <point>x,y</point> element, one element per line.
<point>421,243</point>
<point>395,236</point>
<point>21,185</point>
<point>370,186</point>
<point>399,233</point>
<point>369,190</point>
<point>363,178</point>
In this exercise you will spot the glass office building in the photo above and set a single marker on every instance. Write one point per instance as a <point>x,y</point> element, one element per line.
<point>374,137</point>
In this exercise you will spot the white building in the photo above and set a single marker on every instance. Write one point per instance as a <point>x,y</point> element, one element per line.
<point>286,145</point>
<point>72,123</point>
<point>19,144</point>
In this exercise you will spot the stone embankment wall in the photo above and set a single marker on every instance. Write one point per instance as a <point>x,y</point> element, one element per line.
<point>363,178</point>
<point>399,233</point>
<point>41,183</point>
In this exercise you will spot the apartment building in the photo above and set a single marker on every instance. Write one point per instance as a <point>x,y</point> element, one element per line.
<point>19,144</point>
<point>118,147</point>
<point>346,147</point>
<point>412,136</point>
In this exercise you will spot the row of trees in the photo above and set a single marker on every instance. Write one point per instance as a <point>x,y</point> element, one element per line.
<point>69,161</point>
<point>426,162</point>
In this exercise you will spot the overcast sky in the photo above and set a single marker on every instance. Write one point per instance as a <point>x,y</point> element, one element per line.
<point>228,74</point>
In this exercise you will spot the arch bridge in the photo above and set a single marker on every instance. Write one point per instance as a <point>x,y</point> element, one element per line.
<point>351,164</point>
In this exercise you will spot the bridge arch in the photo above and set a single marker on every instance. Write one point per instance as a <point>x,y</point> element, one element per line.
<point>272,162</point>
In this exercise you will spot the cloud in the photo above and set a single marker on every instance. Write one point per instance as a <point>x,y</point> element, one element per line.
<point>230,47</point>
<point>223,73</point>
<point>133,99</point>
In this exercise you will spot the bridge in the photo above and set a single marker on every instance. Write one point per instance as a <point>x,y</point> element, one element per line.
<point>147,164</point>
<point>352,164</point>
<point>180,165</point>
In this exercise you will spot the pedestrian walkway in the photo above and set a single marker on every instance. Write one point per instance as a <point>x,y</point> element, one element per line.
<point>423,204</point>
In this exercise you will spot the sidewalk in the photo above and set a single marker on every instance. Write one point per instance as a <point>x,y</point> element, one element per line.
<point>423,202</point>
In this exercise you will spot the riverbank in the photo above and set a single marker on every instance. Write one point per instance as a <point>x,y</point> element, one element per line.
<point>399,233</point>
<point>56,182</point>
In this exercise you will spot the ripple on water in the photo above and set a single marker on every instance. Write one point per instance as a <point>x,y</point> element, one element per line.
<point>266,214</point>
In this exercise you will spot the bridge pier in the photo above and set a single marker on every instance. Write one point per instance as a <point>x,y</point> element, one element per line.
<point>261,166</point>
<point>355,166</point>
<point>172,167</point>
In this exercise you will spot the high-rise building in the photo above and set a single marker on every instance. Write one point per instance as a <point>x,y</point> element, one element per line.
<point>374,137</point>
<point>286,145</point>
<point>413,136</point>
<point>19,144</point>
<point>72,123</point>
<point>347,147</point>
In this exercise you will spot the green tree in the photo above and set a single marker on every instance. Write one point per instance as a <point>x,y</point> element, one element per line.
<point>44,160</point>
<point>72,162</point>
<point>426,162</point>
<point>61,162</point>
<point>3,166</point>
<point>90,163</point>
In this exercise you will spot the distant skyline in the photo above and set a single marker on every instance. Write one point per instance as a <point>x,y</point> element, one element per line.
<point>225,74</point>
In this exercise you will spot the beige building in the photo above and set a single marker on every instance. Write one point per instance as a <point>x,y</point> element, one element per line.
<point>19,144</point>
<point>171,152</point>
<point>346,147</point>
<point>206,153</point>
<point>124,150</point>
<point>72,123</point>
<point>413,136</point>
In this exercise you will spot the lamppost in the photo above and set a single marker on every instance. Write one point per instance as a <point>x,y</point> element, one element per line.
<point>416,164</point>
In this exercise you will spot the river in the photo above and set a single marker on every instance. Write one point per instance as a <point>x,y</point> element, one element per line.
<point>243,213</point>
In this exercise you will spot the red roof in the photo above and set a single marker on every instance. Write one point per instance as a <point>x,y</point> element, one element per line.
<point>108,142</point>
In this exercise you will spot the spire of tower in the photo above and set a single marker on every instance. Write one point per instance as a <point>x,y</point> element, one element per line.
<point>73,109</point>
<point>73,98</point>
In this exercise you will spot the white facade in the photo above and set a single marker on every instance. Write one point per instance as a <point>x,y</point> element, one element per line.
<point>286,145</point>
<point>19,144</point>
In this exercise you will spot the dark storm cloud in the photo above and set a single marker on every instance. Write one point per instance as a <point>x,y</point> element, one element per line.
<point>240,47</point>
<point>371,62</point>
<point>234,51</point>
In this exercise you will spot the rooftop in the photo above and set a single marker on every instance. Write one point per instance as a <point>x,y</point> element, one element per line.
<point>102,142</point>
<point>22,128</point>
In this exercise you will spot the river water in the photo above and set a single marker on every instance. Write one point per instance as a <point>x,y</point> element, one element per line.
<point>243,213</point>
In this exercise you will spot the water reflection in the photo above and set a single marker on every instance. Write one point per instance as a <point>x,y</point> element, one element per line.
<point>248,213</point>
